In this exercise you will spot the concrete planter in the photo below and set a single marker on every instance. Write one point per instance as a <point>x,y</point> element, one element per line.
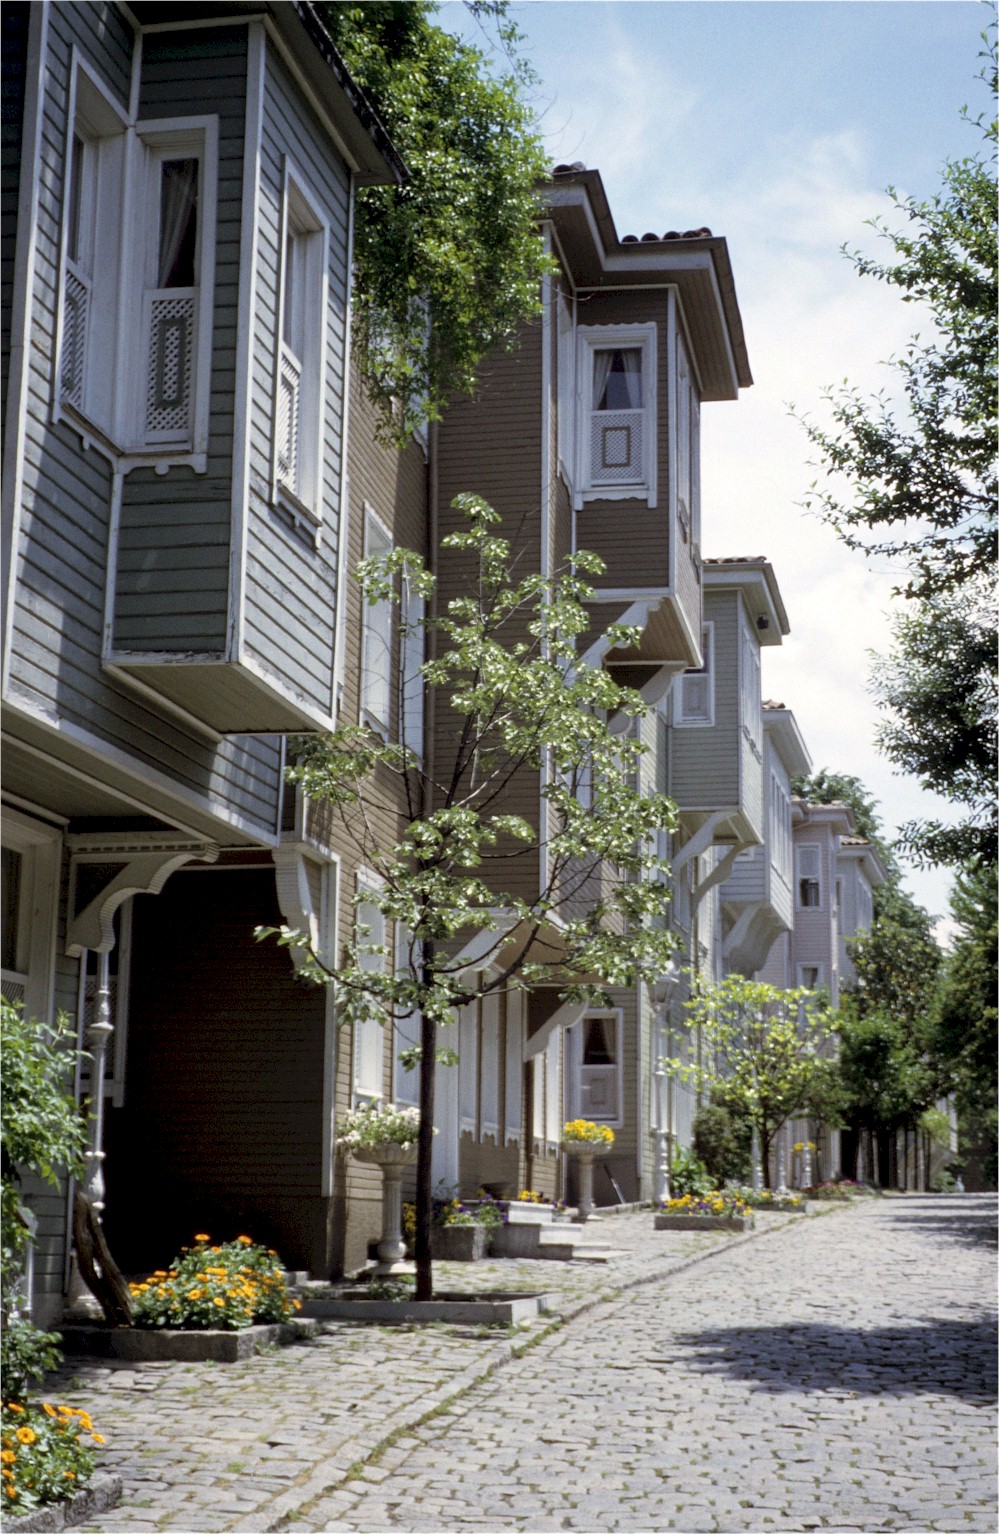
<point>666,1222</point>
<point>458,1244</point>
<point>101,1493</point>
<point>499,1307</point>
<point>155,1344</point>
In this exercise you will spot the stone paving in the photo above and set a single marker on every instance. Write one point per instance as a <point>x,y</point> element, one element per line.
<point>833,1371</point>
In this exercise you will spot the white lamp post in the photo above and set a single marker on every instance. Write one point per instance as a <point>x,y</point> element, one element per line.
<point>663,990</point>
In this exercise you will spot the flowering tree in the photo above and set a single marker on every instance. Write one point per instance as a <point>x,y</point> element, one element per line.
<point>504,665</point>
<point>765,1055</point>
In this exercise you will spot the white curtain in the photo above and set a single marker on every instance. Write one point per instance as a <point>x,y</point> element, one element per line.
<point>178,223</point>
<point>618,379</point>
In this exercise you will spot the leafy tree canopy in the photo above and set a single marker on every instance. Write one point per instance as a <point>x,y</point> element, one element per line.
<point>447,265</point>
<point>585,909</point>
<point>965,1022</point>
<point>923,484</point>
<point>764,1055</point>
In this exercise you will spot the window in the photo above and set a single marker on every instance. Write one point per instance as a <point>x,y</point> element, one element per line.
<point>406,1084</point>
<point>807,875</point>
<point>810,976</point>
<point>137,274</point>
<point>617,446</point>
<point>489,1105</point>
<point>566,382</point>
<point>29,874</point>
<point>368,1035</point>
<point>411,682</point>
<point>688,456</point>
<point>694,695</point>
<point>780,830</point>
<point>376,636</point>
<point>598,1085</point>
<point>750,710</point>
<point>866,911</point>
<point>468,1066</point>
<point>299,385</point>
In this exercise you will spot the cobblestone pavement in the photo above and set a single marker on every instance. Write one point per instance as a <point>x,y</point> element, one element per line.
<point>833,1371</point>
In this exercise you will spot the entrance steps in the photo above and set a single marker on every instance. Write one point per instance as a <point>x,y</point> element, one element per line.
<point>532,1232</point>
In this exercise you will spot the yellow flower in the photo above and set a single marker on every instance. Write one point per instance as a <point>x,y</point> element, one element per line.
<point>218,1301</point>
<point>247,1241</point>
<point>98,1438</point>
<point>8,1457</point>
<point>201,1236</point>
<point>27,1435</point>
<point>10,1490</point>
<point>13,1406</point>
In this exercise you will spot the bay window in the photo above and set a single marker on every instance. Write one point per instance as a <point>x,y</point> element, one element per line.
<point>299,390</point>
<point>694,694</point>
<point>617,440</point>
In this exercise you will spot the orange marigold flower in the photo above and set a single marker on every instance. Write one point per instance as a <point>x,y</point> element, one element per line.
<point>71,1475</point>
<point>201,1236</point>
<point>27,1435</point>
<point>13,1407</point>
<point>247,1241</point>
<point>98,1438</point>
<point>10,1490</point>
<point>8,1457</point>
<point>219,1301</point>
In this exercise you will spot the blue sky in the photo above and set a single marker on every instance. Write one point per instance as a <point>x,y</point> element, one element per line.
<point>779,124</point>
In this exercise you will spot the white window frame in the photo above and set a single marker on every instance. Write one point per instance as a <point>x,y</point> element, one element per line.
<point>599,338</point>
<point>122,199</point>
<point>801,877</point>
<point>513,1068</point>
<point>300,363</point>
<point>468,1068</point>
<point>376,690</point>
<point>751,712</point>
<point>413,650</point>
<point>368,885</point>
<point>565,382</point>
<point>578,1095</point>
<point>405,1033</point>
<point>489,1067</point>
<point>39,848</point>
<point>683,718</point>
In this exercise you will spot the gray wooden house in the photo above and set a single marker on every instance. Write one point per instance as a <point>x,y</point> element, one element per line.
<point>178,194</point>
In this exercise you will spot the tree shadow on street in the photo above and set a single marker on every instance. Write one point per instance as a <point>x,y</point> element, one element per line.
<point>948,1358</point>
<point>971,1225</point>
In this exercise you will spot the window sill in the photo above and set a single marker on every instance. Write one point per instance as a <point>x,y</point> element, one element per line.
<point>161,456</point>
<point>616,493</point>
<point>302,515</point>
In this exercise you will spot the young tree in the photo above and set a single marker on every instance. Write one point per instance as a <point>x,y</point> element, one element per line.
<point>922,491</point>
<point>763,1055</point>
<point>518,706</point>
<point>447,265</point>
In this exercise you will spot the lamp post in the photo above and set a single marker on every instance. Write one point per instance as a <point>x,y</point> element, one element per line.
<point>663,990</point>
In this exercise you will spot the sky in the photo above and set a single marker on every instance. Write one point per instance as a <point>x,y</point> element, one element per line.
<point>778,124</point>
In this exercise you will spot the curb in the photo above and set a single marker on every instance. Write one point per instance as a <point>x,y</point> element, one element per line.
<point>335,1473</point>
<point>101,1493</point>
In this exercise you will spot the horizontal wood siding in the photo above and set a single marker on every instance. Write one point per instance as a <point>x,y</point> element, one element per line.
<point>704,760</point>
<point>14,21</point>
<point>291,581</point>
<point>221,1125</point>
<point>643,558</point>
<point>172,578</point>
<point>492,445</point>
<point>65,522</point>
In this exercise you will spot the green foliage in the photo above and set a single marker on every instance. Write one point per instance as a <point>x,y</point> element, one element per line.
<point>447,265</point>
<point>922,492</point>
<point>41,1131</point>
<point>722,1141</point>
<point>230,1285</point>
<point>765,1054</point>
<point>887,1082</point>
<point>964,1025</point>
<point>44,1455</point>
<point>688,1174</point>
<point>504,660</point>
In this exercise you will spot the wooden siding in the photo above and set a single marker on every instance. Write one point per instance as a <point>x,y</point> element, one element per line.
<point>492,445</point>
<point>172,577</point>
<point>704,759</point>
<point>291,581</point>
<point>643,559</point>
<point>220,1129</point>
<point>12,85</point>
<point>65,515</point>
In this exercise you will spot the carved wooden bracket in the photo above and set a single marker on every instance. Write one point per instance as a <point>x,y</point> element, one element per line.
<point>136,863</point>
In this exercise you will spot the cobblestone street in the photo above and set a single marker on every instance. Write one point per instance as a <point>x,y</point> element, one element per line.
<point>836,1371</point>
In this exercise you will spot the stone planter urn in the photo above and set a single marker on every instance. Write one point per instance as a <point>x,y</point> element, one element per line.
<point>458,1244</point>
<point>585,1153</point>
<point>391,1158</point>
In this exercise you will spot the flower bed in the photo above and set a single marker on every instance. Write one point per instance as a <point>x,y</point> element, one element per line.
<point>841,1188</point>
<point>228,1286</point>
<point>44,1454</point>
<point>720,1210</point>
<point>769,1199</point>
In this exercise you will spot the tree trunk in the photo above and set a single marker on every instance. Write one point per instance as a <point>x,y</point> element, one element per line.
<point>99,1271</point>
<point>425,1139</point>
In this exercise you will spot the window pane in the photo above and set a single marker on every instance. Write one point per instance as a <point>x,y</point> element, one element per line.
<point>10,896</point>
<point>75,197</point>
<point>288,326</point>
<point>178,223</point>
<point>618,379</point>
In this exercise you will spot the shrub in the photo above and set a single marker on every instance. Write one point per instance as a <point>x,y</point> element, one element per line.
<point>722,1142</point>
<point>230,1285</point>
<point>42,1130</point>
<point>43,1455</point>
<point>688,1174</point>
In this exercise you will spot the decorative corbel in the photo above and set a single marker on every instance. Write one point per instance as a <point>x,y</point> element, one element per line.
<point>144,862</point>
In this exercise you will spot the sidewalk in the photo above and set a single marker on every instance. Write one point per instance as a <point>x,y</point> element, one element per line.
<point>206,1447</point>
